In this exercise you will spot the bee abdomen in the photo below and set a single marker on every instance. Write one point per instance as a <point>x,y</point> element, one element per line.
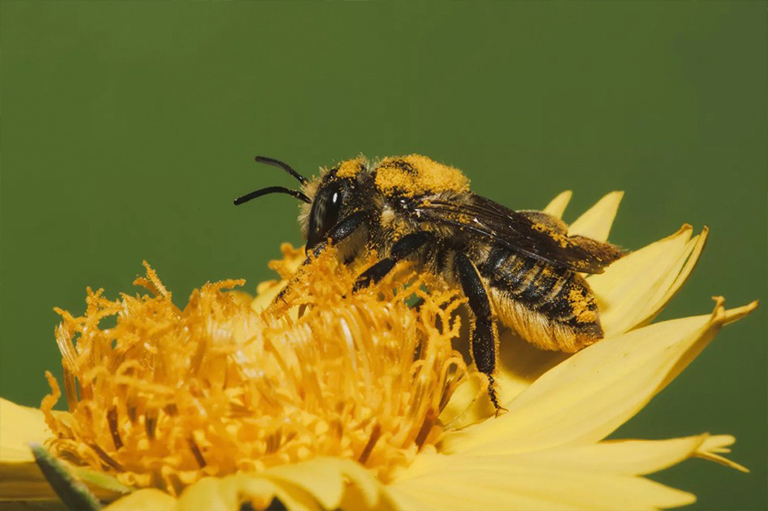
<point>550,307</point>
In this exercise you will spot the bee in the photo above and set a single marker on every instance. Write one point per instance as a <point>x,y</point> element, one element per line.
<point>518,268</point>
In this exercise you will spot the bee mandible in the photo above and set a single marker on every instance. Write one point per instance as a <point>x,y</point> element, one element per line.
<point>518,268</point>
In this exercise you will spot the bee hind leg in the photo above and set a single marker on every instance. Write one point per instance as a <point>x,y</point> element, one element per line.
<point>402,248</point>
<point>484,331</point>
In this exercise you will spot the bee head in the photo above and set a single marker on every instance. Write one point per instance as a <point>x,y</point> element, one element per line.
<point>329,198</point>
<point>336,194</point>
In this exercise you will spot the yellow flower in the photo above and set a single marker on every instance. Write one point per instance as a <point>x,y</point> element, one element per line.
<point>359,401</point>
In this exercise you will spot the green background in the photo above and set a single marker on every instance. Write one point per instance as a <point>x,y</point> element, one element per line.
<point>129,127</point>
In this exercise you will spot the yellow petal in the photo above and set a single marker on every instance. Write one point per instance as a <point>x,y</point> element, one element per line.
<point>634,289</point>
<point>589,395</point>
<point>287,266</point>
<point>520,364</point>
<point>717,444</point>
<point>266,292</point>
<point>259,493</point>
<point>557,206</point>
<point>294,498</point>
<point>354,499</point>
<point>230,493</point>
<point>23,481</point>
<point>20,477</point>
<point>498,482</point>
<point>144,500</point>
<point>629,457</point>
<point>220,494</point>
<point>259,490</point>
<point>20,425</point>
<point>325,479</point>
<point>211,494</point>
<point>596,222</point>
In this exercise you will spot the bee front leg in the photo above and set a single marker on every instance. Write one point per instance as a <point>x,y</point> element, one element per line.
<point>402,248</point>
<point>339,232</point>
<point>484,332</point>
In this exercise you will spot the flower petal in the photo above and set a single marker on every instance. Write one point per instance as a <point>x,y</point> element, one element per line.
<point>634,289</point>
<point>23,481</point>
<point>596,222</point>
<point>629,457</point>
<point>558,204</point>
<point>499,482</point>
<point>213,494</point>
<point>287,266</point>
<point>520,364</point>
<point>20,477</point>
<point>717,444</point>
<point>320,483</point>
<point>231,492</point>
<point>19,426</point>
<point>259,493</point>
<point>266,292</point>
<point>589,395</point>
<point>148,499</point>
<point>354,499</point>
<point>325,479</point>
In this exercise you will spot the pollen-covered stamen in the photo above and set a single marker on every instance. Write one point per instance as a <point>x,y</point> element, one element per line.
<point>113,429</point>
<point>196,452</point>
<point>375,435</point>
<point>168,396</point>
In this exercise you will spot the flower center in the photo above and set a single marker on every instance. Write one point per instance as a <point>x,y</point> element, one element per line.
<point>167,396</point>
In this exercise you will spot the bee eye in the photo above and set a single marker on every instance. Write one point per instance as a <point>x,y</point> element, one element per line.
<point>324,215</point>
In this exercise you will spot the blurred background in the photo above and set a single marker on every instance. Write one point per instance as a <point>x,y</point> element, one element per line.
<point>129,127</point>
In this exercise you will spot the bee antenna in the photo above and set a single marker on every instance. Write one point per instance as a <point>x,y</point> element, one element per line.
<point>272,189</point>
<point>282,165</point>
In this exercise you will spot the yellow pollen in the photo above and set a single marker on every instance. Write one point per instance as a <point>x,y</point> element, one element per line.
<point>581,306</point>
<point>561,238</point>
<point>415,175</point>
<point>350,168</point>
<point>167,396</point>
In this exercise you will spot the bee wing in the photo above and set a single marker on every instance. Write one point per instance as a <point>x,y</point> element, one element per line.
<point>532,233</point>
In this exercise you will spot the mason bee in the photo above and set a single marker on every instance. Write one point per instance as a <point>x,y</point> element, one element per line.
<point>518,268</point>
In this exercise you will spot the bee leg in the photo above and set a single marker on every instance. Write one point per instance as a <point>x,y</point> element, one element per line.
<point>342,230</point>
<point>402,248</point>
<point>484,331</point>
<point>338,232</point>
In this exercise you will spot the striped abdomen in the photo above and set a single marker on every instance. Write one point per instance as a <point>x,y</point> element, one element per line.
<point>550,307</point>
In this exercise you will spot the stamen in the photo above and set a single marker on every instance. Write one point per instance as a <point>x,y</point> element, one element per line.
<point>131,409</point>
<point>426,428</point>
<point>113,427</point>
<point>106,458</point>
<point>196,452</point>
<point>174,482</point>
<point>71,387</point>
<point>375,435</point>
<point>150,423</point>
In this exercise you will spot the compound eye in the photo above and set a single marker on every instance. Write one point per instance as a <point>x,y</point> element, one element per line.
<point>324,215</point>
